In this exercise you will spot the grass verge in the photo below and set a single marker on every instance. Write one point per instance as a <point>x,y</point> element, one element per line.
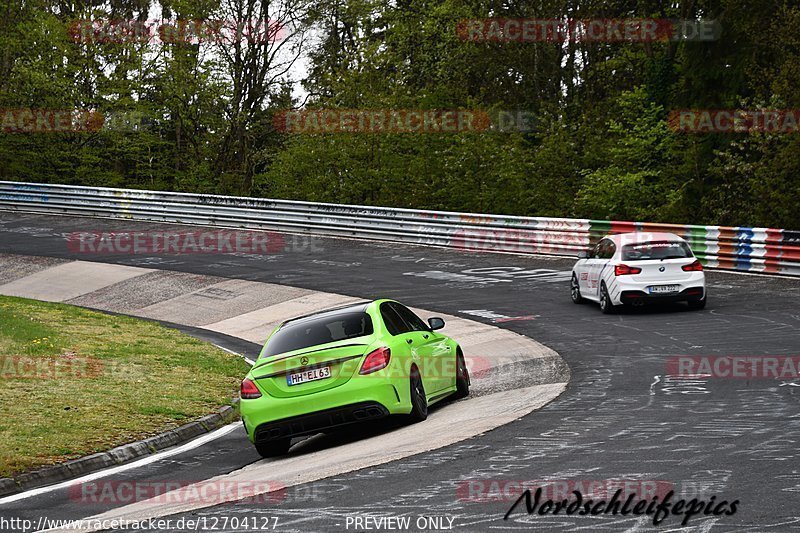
<point>75,382</point>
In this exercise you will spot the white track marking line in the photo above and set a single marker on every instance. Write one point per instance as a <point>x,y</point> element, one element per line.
<point>247,359</point>
<point>224,430</point>
<point>136,464</point>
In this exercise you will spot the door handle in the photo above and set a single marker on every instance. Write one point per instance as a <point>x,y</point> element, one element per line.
<point>425,336</point>
<point>409,341</point>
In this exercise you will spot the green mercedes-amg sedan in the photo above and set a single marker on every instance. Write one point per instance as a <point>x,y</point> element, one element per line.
<point>350,364</point>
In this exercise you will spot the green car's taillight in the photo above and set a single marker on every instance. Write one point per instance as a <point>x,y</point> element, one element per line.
<point>249,390</point>
<point>376,360</point>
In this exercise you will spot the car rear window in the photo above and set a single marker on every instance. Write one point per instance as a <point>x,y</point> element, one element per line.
<point>322,329</point>
<point>643,251</point>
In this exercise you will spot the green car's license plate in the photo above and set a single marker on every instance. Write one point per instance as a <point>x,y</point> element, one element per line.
<point>305,376</point>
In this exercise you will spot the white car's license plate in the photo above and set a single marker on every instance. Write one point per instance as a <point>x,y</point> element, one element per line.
<point>305,376</point>
<point>664,289</point>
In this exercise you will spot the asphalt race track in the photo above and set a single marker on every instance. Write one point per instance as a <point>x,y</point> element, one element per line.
<point>620,418</point>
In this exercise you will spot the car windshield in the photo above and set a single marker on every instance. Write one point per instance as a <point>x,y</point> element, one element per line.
<point>656,250</point>
<point>322,329</point>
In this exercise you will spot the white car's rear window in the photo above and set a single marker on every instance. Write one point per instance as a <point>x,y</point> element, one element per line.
<point>643,251</point>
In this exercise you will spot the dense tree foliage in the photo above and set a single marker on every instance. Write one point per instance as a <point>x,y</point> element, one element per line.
<point>199,114</point>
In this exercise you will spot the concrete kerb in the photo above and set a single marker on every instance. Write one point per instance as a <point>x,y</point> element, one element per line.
<point>119,455</point>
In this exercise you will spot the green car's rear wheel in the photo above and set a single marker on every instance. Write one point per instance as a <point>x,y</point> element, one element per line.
<point>273,448</point>
<point>462,377</point>
<point>419,403</point>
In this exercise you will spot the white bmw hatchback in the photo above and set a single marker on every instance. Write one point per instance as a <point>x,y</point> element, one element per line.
<point>636,268</point>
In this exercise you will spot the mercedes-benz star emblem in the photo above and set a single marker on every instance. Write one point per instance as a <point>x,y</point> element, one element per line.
<point>662,269</point>
<point>304,361</point>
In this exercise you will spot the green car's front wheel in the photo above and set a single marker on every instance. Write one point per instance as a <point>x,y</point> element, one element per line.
<point>419,403</point>
<point>273,448</point>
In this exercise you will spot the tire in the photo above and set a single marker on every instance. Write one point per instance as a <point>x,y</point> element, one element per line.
<point>605,301</point>
<point>462,377</point>
<point>698,304</point>
<point>419,403</point>
<point>273,448</point>
<point>575,291</point>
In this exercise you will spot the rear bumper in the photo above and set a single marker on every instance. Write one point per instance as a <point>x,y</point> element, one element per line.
<point>318,421</point>
<point>686,295</point>
<point>632,289</point>
<point>357,400</point>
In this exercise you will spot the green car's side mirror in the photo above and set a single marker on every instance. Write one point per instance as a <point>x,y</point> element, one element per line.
<point>435,323</point>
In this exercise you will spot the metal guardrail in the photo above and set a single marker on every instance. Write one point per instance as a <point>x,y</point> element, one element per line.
<point>764,250</point>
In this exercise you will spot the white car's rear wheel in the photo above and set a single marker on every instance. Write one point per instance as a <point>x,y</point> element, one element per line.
<point>575,291</point>
<point>698,304</point>
<point>605,300</point>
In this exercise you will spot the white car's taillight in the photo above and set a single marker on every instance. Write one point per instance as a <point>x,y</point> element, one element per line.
<point>625,270</point>
<point>693,267</point>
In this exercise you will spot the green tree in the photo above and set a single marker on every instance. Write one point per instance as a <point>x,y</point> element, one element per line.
<point>635,181</point>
